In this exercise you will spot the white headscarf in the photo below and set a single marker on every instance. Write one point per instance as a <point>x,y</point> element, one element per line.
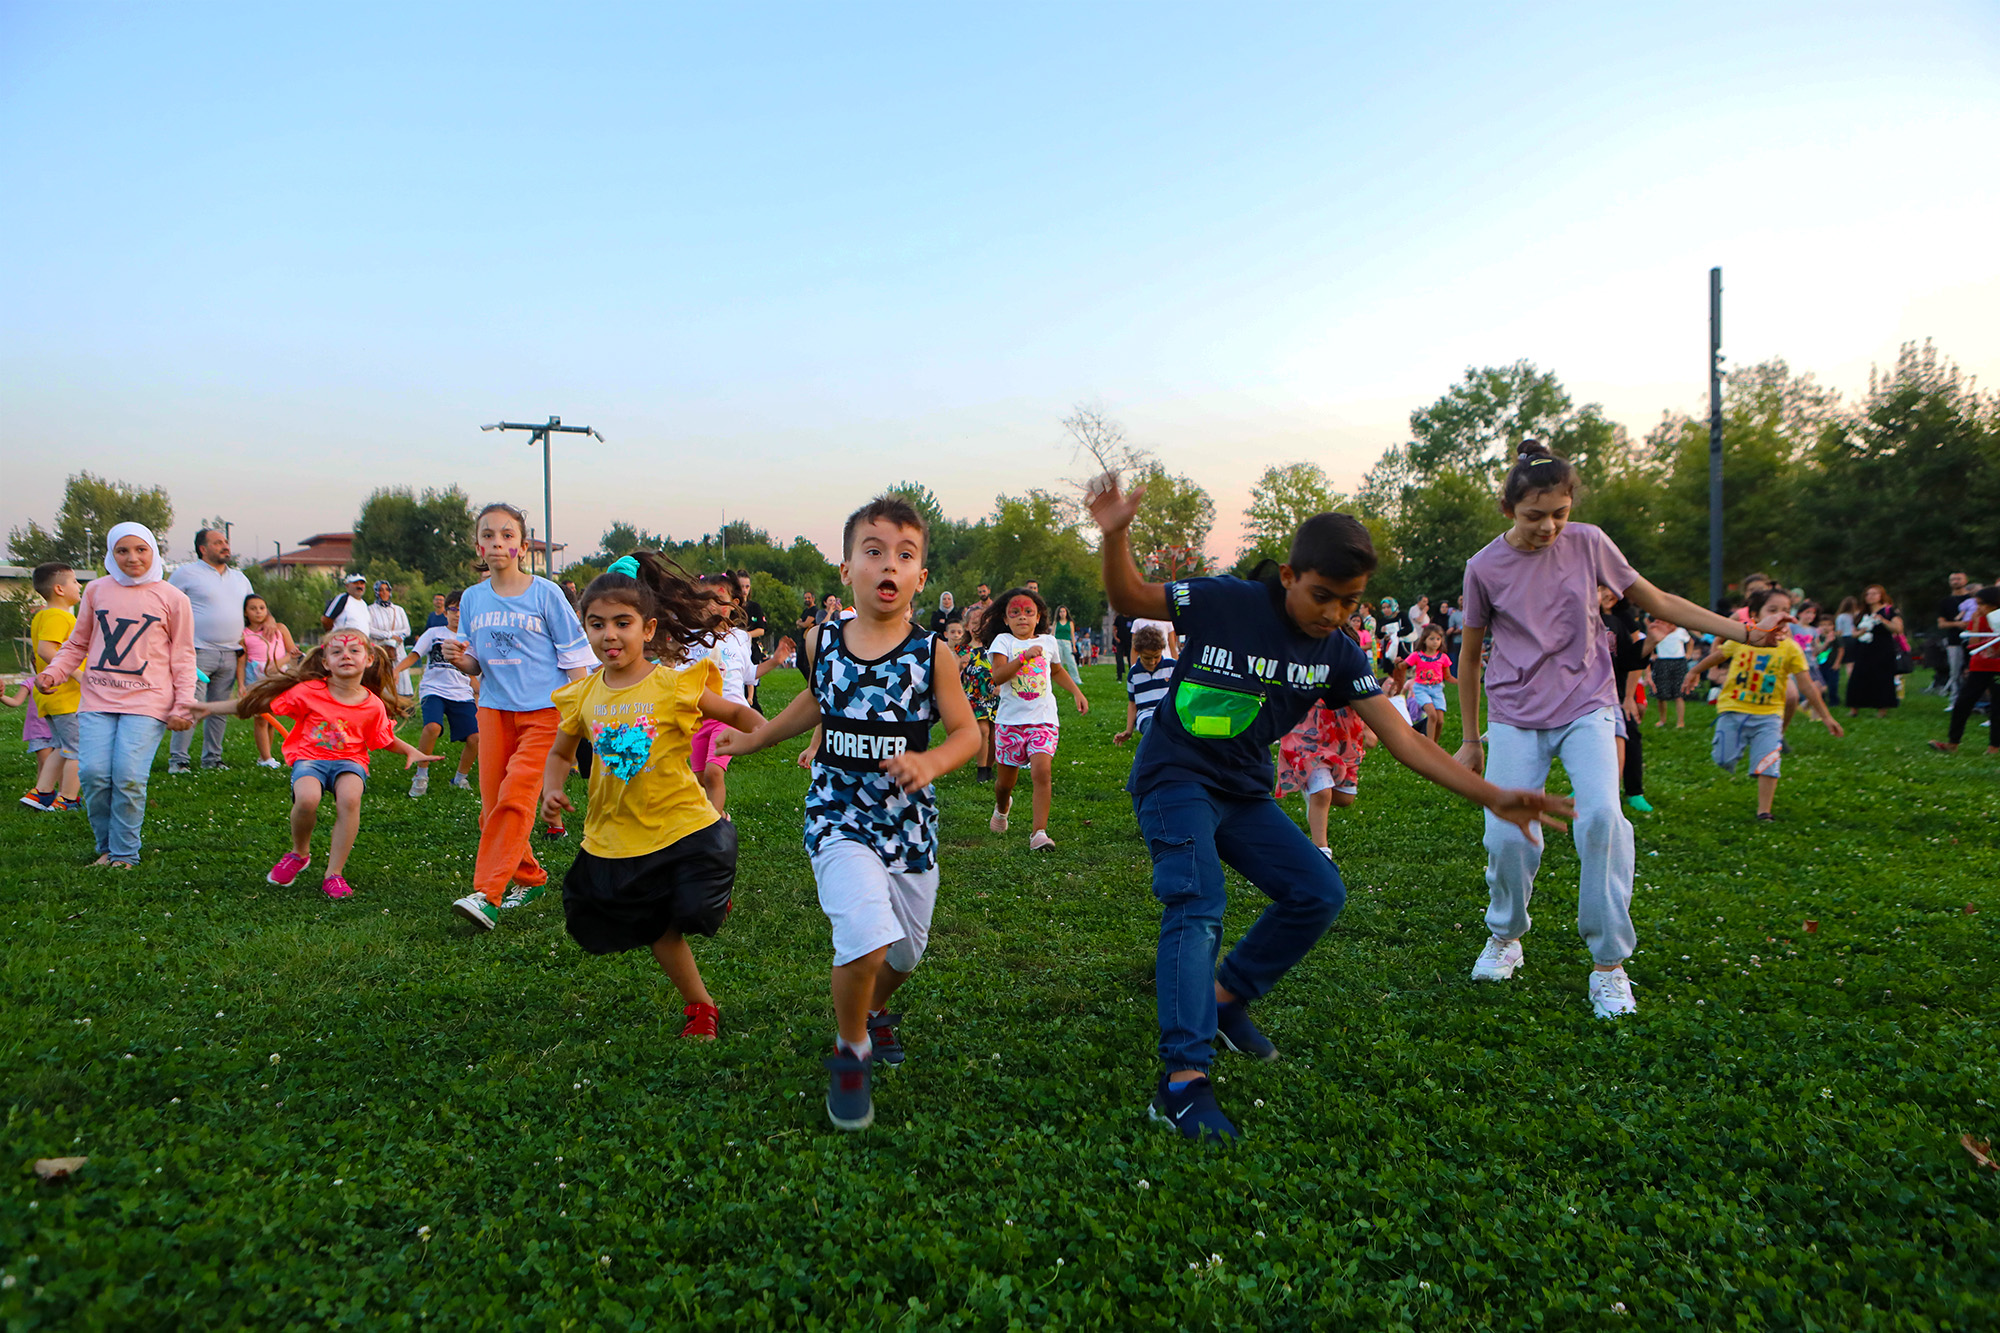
<point>152,574</point>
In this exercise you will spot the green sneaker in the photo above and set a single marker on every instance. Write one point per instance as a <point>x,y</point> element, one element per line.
<point>474,908</point>
<point>520,895</point>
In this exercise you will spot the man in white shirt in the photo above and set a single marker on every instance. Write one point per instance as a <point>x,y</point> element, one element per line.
<point>216,590</point>
<point>349,607</point>
<point>389,627</point>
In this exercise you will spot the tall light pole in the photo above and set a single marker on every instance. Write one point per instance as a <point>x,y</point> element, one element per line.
<point>540,435</point>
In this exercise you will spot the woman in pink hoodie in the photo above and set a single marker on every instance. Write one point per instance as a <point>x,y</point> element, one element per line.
<point>134,639</point>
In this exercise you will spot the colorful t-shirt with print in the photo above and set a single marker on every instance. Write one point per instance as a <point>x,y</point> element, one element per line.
<point>1027,698</point>
<point>329,729</point>
<point>1429,668</point>
<point>1246,676</point>
<point>54,624</point>
<point>643,794</point>
<point>1753,679</point>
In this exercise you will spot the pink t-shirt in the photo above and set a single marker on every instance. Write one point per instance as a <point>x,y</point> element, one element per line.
<point>133,649</point>
<point>1429,668</point>
<point>1551,659</point>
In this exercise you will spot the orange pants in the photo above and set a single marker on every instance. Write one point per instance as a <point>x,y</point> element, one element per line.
<point>513,749</point>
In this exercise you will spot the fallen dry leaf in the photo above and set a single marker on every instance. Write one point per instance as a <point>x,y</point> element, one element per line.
<point>1970,910</point>
<point>1981,1150</point>
<point>1812,927</point>
<point>59,1168</point>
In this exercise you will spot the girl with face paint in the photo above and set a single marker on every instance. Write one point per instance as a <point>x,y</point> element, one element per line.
<point>1025,662</point>
<point>524,642</point>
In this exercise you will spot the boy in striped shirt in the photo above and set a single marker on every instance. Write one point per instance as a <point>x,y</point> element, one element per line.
<point>1145,683</point>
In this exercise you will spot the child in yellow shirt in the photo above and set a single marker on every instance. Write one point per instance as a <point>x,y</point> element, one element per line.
<point>55,779</point>
<point>657,863</point>
<point>1749,715</point>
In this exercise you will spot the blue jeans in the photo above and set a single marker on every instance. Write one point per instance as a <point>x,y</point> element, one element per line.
<point>1191,831</point>
<point>114,757</point>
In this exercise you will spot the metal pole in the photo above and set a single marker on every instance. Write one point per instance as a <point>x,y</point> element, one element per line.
<point>1714,438</point>
<point>548,501</point>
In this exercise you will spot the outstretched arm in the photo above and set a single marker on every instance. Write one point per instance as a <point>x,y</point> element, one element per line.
<point>799,716</point>
<point>555,772</point>
<point>1471,669</point>
<point>916,769</point>
<point>1126,587</point>
<point>1415,751</point>
<point>1689,616</point>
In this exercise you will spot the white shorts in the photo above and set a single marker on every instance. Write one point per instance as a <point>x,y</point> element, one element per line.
<point>871,905</point>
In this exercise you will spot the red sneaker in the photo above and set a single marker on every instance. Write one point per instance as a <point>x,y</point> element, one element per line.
<point>701,1022</point>
<point>288,868</point>
<point>336,886</point>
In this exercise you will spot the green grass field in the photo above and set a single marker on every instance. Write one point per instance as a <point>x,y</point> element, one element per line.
<point>308,1114</point>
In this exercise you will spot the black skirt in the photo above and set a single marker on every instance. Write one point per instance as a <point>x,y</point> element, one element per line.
<point>616,903</point>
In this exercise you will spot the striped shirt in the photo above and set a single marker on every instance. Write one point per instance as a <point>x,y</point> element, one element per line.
<point>1147,688</point>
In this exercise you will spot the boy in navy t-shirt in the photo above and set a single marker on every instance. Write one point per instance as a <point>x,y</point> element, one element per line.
<point>1256,655</point>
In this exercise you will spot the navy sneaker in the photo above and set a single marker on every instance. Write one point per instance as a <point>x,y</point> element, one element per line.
<point>882,1032</point>
<point>1190,1108</point>
<point>848,1104</point>
<point>1239,1034</point>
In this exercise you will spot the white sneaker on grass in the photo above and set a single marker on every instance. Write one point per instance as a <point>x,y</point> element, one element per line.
<point>998,823</point>
<point>474,908</point>
<point>269,763</point>
<point>1498,960</point>
<point>460,781</point>
<point>421,783</point>
<point>1611,993</point>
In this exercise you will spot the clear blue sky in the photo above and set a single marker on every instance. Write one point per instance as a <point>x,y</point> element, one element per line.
<point>272,256</point>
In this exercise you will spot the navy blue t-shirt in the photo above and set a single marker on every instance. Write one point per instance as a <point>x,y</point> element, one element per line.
<point>1245,677</point>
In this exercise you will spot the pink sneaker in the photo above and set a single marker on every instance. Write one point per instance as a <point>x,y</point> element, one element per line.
<point>336,886</point>
<point>288,868</point>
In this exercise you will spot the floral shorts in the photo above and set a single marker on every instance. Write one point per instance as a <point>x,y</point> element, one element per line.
<point>1013,742</point>
<point>1323,751</point>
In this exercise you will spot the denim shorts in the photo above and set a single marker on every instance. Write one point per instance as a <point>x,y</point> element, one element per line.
<point>326,770</point>
<point>462,714</point>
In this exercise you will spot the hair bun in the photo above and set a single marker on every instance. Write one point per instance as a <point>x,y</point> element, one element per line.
<point>1532,448</point>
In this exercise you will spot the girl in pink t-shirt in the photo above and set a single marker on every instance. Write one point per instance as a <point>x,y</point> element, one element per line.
<point>342,699</point>
<point>1430,671</point>
<point>1550,695</point>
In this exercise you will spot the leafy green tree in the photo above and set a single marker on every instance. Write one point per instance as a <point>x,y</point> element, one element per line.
<point>623,539</point>
<point>1283,498</point>
<point>1028,537</point>
<point>1170,531</point>
<point>430,534</point>
<point>1439,527</point>
<point>91,507</point>
<point>1905,490</point>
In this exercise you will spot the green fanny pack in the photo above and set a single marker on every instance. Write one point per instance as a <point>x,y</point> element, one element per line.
<point>1213,713</point>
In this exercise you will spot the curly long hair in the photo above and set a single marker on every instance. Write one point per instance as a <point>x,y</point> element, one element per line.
<point>664,593</point>
<point>378,678</point>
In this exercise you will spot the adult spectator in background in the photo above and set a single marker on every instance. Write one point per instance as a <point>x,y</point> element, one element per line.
<point>389,630</point>
<point>1065,631</point>
<point>348,608</point>
<point>757,625</point>
<point>437,616</point>
<point>215,590</point>
<point>946,614</point>
<point>1873,684</point>
<point>1121,645</point>
<point>982,602</point>
<point>1167,632</point>
<point>1950,625</point>
<point>570,590</point>
<point>1454,631</point>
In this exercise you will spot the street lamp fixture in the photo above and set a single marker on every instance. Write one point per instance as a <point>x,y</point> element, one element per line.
<point>540,435</point>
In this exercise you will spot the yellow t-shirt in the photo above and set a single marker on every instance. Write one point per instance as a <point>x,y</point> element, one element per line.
<point>643,795</point>
<point>1754,678</point>
<point>55,622</point>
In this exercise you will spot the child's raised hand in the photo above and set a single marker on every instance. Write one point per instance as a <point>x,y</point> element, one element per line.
<point>1526,809</point>
<point>1110,508</point>
<point>1029,653</point>
<point>784,652</point>
<point>726,741</point>
<point>555,804</point>
<point>1119,739</point>
<point>415,757</point>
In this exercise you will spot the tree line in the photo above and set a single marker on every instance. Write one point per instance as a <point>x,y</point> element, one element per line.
<point>1899,488</point>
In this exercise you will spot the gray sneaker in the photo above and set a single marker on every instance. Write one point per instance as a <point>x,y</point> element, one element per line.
<point>848,1104</point>
<point>460,781</point>
<point>421,783</point>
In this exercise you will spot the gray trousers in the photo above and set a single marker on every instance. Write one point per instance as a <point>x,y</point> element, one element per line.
<point>1588,748</point>
<point>219,665</point>
<point>1954,657</point>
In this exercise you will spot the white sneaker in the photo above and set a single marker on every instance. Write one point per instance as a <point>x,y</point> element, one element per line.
<point>270,763</point>
<point>1040,840</point>
<point>421,783</point>
<point>474,908</point>
<point>1611,993</point>
<point>1327,852</point>
<point>1498,960</point>
<point>998,823</point>
<point>460,781</point>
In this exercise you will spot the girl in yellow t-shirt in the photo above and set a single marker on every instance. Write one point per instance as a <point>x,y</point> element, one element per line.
<point>657,862</point>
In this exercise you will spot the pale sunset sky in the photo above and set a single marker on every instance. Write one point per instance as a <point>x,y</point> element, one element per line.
<point>274,256</point>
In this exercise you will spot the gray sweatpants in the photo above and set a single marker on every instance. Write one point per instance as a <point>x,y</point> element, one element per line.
<point>220,668</point>
<point>1518,757</point>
